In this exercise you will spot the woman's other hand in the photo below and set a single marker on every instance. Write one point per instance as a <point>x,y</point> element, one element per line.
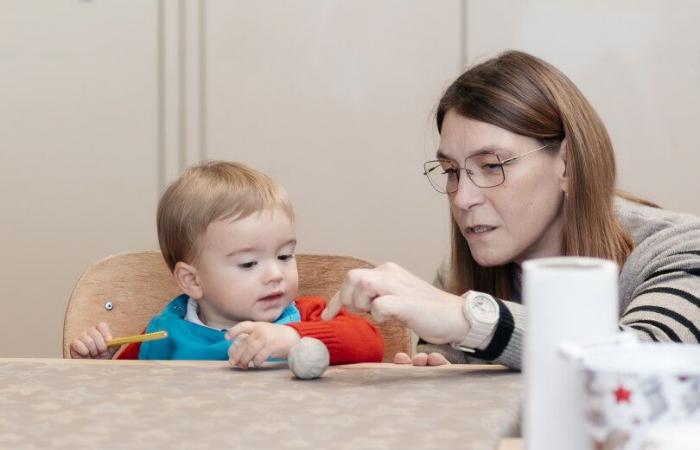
<point>421,359</point>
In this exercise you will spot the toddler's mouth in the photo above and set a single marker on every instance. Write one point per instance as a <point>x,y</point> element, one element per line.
<point>272,296</point>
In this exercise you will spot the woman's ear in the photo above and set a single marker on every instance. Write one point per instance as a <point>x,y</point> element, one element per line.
<point>563,178</point>
<point>188,280</point>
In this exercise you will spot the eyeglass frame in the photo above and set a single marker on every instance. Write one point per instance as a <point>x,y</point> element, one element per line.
<point>500,165</point>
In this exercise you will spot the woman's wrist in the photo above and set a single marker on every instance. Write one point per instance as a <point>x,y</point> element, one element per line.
<point>462,324</point>
<point>452,321</point>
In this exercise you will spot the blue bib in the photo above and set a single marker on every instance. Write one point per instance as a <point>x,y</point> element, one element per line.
<point>187,340</point>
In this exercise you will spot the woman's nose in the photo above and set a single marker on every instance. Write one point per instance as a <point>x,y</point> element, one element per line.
<point>468,194</point>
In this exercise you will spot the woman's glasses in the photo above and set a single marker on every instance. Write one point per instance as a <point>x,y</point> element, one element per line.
<point>485,170</point>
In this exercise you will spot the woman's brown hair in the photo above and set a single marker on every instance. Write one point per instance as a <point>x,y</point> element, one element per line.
<point>527,96</point>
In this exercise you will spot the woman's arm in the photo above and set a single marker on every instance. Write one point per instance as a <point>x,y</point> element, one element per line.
<point>505,347</point>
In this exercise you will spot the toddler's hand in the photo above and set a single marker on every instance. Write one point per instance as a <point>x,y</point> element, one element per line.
<point>258,341</point>
<point>92,343</point>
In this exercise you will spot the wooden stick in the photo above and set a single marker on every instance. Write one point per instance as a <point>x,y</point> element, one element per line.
<point>138,338</point>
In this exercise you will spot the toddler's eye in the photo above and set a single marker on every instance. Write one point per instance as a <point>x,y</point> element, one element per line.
<point>285,257</point>
<point>248,265</point>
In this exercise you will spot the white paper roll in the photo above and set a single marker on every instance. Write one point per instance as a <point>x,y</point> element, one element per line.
<point>566,298</point>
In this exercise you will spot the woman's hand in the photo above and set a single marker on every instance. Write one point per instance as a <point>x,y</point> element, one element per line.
<point>257,341</point>
<point>93,343</point>
<point>391,292</point>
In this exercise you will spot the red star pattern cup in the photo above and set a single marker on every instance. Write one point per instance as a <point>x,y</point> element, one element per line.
<point>631,386</point>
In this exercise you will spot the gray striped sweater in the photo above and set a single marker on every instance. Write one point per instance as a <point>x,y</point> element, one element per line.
<point>659,287</point>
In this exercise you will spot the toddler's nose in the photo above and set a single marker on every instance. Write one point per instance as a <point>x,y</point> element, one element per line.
<point>273,273</point>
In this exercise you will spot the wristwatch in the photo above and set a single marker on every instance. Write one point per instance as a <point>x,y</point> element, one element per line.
<point>482,314</point>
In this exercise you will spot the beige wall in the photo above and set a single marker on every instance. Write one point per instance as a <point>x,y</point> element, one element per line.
<point>335,101</point>
<point>638,62</point>
<point>78,127</point>
<point>332,98</point>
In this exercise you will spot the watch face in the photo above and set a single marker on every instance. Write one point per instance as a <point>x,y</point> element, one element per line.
<point>484,308</point>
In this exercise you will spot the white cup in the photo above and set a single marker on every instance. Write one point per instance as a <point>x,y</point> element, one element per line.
<point>683,435</point>
<point>567,298</point>
<point>637,392</point>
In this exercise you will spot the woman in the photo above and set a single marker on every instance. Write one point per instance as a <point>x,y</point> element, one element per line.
<point>540,182</point>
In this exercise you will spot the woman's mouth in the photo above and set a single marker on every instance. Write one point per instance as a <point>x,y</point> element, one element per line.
<point>478,230</point>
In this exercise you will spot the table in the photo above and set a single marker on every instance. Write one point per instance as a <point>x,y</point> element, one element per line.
<point>56,403</point>
<point>511,444</point>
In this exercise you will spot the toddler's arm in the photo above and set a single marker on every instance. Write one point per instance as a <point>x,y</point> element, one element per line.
<point>92,343</point>
<point>349,337</point>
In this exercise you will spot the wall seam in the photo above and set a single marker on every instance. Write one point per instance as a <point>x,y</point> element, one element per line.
<point>160,96</point>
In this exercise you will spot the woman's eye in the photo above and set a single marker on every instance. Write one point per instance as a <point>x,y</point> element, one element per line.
<point>491,166</point>
<point>285,257</point>
<point>248,265</point>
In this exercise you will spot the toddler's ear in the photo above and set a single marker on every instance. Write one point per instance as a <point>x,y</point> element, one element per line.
<point>186,277</point>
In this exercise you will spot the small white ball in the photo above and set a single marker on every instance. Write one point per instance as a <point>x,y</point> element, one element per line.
<point>308,359</point>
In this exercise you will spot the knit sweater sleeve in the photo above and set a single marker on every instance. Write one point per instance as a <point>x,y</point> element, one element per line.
<point>507,344</point>
<point>660,286</point>
<point>349,337</point>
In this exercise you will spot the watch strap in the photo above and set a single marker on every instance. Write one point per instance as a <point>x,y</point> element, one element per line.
<point>504,331</point>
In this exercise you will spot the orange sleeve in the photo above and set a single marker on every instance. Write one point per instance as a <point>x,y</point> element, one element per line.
<point>131,351</point>
<point>349,337</point>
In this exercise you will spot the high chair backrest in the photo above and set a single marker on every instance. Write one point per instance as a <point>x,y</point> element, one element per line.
<point>127,289</point>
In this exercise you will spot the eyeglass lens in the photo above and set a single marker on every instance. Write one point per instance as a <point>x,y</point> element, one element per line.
<point>484,170</point>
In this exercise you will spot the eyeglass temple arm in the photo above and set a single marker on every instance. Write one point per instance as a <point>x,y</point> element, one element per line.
<point>506,161</point>
<point>426,172</point>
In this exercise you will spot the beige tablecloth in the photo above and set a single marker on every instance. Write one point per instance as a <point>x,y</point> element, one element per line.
<point>187,405</point>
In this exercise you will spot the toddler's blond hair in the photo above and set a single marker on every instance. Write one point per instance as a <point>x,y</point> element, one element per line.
<point>209,192</point>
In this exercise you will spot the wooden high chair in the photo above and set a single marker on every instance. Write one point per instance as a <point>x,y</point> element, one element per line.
<point>127,289</point>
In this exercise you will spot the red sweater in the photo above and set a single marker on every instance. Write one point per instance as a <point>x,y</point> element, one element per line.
<point>349,337</point>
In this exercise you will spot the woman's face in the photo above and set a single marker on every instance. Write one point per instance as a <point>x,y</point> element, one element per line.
<point>523,217</point>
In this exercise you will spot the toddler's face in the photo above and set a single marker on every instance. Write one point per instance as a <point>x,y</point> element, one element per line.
<point>246,268</point>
